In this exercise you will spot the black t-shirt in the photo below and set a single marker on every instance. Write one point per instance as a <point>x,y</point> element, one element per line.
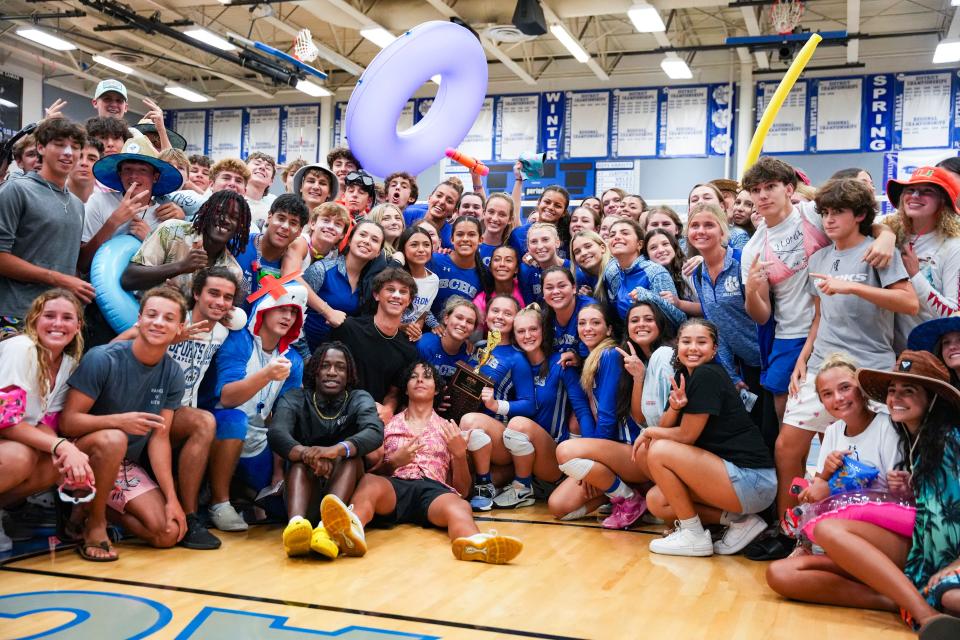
<point>380,361</point>
<point>729,432</point>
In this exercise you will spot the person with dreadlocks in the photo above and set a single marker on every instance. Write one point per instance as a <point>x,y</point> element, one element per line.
<point>322,430</point>
<point>178,249</point>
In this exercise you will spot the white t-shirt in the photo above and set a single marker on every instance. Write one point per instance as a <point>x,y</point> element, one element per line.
<point>101,206</point>
<point>18,367</point>
<point>937,283</point>
<point>427,288</point>
<point>656,385</point>
<point>259,210</point>
<point>879,445</point>
<point>793,307</point>
<point>194,357</point>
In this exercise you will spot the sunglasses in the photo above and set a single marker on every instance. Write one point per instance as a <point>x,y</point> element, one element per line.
<point>85,493</point>
<point>362,178</point>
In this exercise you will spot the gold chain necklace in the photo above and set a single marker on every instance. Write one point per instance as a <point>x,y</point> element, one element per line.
<point>333,417</point>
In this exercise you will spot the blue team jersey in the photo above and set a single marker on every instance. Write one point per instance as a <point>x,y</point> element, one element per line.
<point>605,387</point>
<point>412,213</point>
<point>531,282</point>
<point>555,393</point>
<point>432,351</point>
<point>584,279</point>
<point>252,275</point>
<point>446,236</point>
<point>509,370</point>
<point>453,281</point>
<point>566,337</point>
<point>328,279</point>
<point>486,253</point>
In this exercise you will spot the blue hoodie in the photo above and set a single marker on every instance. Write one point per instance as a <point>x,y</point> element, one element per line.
<point>643,280</point>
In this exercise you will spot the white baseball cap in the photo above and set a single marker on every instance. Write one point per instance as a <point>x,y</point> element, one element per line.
<point>110,85</point>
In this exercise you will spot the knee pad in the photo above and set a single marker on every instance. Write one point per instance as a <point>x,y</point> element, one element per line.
<point>517,442</point>
<point>577,468</point>
<point>477,439</point>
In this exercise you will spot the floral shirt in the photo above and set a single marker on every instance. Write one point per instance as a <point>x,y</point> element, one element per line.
<point>431,461</point>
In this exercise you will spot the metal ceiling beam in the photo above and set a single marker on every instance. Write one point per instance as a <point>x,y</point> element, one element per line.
<point>326,52</point>
<point>753,28</point>
<point>488,44</point>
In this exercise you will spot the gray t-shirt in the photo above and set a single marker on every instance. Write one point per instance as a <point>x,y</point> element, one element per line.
<point>848,323</point>
<point>41,224</point>
<point>118,383</point>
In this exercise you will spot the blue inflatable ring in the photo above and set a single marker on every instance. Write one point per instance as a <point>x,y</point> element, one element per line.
<point>119,307</point>
<point>396,73</point>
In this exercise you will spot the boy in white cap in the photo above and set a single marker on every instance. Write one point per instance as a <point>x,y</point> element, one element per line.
<point>110,99</point>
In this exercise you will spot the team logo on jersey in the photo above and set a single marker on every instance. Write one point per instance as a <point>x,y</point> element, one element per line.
<point>731,284</point>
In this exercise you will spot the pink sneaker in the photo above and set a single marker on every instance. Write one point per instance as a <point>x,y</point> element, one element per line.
<point>626,511</point>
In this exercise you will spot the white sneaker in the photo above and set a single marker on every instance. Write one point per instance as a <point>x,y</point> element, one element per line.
<point>226,518</point>
<point>684,542</point>
<point>5,542</point>
<point>343,526</point>
<point>739,534</point>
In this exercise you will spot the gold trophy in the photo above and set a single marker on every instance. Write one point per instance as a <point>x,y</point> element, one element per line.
<point>463,391</point>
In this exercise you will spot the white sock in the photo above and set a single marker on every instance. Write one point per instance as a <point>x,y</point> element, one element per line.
<point>295,519</point>
<point>576,514</point>
<point>692,524</point>
<point>620,489</point>
<point>219,505</point>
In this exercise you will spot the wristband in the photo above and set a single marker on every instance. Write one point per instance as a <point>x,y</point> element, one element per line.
<point>346,446</point>
<point>56,445</point>
<point>503,408</point>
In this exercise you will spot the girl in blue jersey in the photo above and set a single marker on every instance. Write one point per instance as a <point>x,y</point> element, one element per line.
<point>498,223</point>
<point>542,245</point>
<point>532,443</point>
<point>459,319</point>
<point>630,276</point>
<point>551,209</point>
<point>460,272</point>
<point>560,322</point>
<point>584,219</point>
<point>470,204</point>
<point>338,286</point>
<point>598,465</point>
<point>661,247</point>
<point>501,279</point>
<point>590,254</point>
<point>512,394</point>
<point>441,206</point>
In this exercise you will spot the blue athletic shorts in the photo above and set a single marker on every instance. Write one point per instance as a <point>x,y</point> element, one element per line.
<point>783,357</point>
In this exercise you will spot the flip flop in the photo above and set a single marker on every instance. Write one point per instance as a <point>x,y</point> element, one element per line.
<point>941,627</point>
<point>84,547</point>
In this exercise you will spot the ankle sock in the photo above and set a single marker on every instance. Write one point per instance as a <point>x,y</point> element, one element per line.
<point>692,524</point>
<point>526,481</point>
<point>484,478</point>
<point>295,519</point>
<point>219,505</point>
<point>727,518</point>
<point>619,489</point>
<point>576,514</point>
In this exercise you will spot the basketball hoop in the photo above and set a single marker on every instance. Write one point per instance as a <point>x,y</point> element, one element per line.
<point>785,16</point>
<point>303,48</point>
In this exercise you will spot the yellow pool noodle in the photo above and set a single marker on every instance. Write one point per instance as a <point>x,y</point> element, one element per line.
<point>773,107</point>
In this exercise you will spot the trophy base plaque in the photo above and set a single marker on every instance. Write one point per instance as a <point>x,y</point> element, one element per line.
<point>463,392</point>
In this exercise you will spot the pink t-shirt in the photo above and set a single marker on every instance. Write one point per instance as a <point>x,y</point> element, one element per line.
<point>432,460</point>
<point>481,302</point>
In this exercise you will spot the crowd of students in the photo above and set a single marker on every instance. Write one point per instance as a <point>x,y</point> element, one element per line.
<point>636,362</point>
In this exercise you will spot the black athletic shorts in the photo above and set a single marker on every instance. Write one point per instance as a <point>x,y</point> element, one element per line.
<point>414,498</point>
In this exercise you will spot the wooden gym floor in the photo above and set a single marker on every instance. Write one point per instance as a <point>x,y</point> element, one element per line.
<point>573,580</point>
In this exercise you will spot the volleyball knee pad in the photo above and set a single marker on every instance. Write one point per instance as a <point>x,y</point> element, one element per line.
<point>577,468</point>
<point>477,439</point>
<point>517,442</point>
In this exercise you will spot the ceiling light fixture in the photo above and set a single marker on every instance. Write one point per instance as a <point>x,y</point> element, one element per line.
<point>378,36</point>
<point>676,69</point>
<point>210,38</point>
<point>186,94</point>
<point>947,51</point>
<point>47,40</point>
<point>113,64</point>
<point>560,33</point>
<point>313,89</point>
<point>646,18</point>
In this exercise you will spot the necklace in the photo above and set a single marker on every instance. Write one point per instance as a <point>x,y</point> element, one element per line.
<point>335,416</point>
<point>66,200</point>
<point>382,334</point>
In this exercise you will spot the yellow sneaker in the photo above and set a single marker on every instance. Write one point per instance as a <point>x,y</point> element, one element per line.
<point>343,526</point>
<point>321,543</point>
<point>487,547</point>
<point>296,537</point>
